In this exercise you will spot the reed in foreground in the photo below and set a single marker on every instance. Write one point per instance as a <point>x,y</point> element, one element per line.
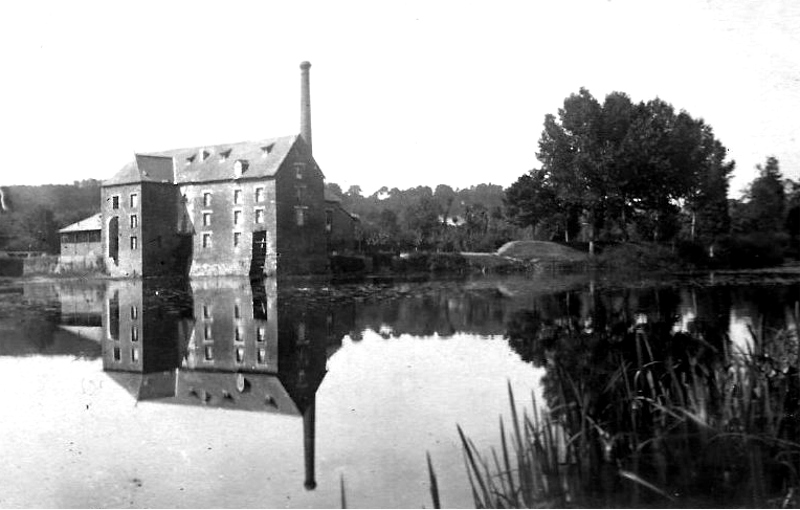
<point>661,420</point>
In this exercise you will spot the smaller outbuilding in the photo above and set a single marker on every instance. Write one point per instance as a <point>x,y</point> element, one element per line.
<point>81,243</point>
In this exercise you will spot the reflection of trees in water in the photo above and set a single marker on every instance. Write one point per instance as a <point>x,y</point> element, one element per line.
<point>640,390</point>
<point>442,312</point>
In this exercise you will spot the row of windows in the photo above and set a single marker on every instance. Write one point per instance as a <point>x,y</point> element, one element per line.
<point>134,329</point>
<point>237,311</point>
<point>238,333</point>
<point>261,354</point>
<point>134,201</point>
<point>237,197</point>
<point>134,354</point>
<point>91,236</point>
<point>237,217</point>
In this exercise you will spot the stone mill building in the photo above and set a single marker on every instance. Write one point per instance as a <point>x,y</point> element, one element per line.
<point>255,208</point>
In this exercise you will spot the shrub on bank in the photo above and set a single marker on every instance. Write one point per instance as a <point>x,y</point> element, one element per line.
<point>751,251</point>
<point>640,256</point>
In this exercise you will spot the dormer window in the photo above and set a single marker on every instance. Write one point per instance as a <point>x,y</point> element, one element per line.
<point>266,150</point>
<point>203,155</point>
<point>240,167</point>
<point>190,159</point>
<point>224,155</point>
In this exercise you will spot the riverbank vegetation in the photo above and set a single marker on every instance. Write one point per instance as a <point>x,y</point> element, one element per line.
<point>648,417</point>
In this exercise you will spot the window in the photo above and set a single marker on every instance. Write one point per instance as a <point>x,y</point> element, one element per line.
<point>207,333</point>
<point>237,217</point>
<point>237,334</point>
<point>117,356</point>
<point>135,355</point>
<point>209,352</point>
<point>134,333</point>
<point>262,356</point>
<point>134,200</point>
<point>237,312</point>
<point>300,216</point>
<point>206,240</point>
<point>237,196</point>
<point>115,202</point>
<point>328,220</point>
<point>207,219</point>
<point>301,333</point>
<point>300,192</point>
<point>207,199</point>
<point>134,242</point>
<point>259,215</point>
<point>240,167</point>
<point>259,194</point>
<point>134,221</point>
<point>260,334</point>
<point>299,168</point>
<point>237,239</point>
<point>134,312</point>
<point>239,355</point>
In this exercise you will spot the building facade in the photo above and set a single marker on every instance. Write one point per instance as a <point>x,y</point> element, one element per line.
<point>253,208</point>
<point>81,240</point>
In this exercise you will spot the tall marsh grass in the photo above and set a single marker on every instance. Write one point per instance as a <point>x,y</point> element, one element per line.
<point>652,428</point>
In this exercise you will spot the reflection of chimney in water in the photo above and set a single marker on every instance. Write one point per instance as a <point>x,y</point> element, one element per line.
<point>305,104</point>
<point>308,443</point>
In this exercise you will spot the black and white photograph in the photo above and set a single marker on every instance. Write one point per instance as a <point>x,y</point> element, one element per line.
<point>418,254</point>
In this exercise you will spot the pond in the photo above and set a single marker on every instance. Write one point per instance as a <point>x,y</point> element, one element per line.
<point>232,393</point>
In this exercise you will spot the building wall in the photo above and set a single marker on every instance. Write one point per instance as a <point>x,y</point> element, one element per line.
<point>342,231</point>
<point>158,220</point>
<point>138,335</point>
<point>129,261</point>
<point>236,326</point>
<point>81,244</point>
<point>222,257</point>
<point>301,248</point>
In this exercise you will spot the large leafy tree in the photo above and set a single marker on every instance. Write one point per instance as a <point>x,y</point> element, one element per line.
<point>765,201</point>
<point>623,168</point>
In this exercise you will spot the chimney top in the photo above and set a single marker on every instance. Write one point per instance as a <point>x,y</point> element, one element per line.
<point>305,104</point>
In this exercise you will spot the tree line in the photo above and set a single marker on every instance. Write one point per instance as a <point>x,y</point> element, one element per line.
<point>421,218</point>
<point>619,171</point>
<point>611,172</point>
<point>31,216</point>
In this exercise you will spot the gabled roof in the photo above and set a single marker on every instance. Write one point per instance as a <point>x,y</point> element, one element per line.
<point>91,223</point>
<point>256,159</point>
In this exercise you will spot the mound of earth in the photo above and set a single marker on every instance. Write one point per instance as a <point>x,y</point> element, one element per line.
<point>541,250</point>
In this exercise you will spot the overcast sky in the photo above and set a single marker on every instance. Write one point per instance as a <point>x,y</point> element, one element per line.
<point>402,93</point>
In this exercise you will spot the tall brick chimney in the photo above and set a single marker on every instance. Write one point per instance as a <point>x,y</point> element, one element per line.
<point>305,104</point>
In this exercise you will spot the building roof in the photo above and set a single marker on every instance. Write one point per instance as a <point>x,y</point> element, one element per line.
<point>254,159</point>
<point>332,197</point>
<point>91,223</point>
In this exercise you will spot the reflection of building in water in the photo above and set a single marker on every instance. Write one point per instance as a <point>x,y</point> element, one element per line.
<point>234,346</point>
<point>60,318</point>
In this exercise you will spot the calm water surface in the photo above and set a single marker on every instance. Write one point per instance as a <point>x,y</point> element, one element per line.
<point>227,393</point>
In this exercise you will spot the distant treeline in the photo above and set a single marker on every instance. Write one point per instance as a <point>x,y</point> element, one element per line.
<point>444,219</point>
<point>30,216</point>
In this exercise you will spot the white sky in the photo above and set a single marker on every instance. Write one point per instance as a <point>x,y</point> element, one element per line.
<point>403,93</point>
